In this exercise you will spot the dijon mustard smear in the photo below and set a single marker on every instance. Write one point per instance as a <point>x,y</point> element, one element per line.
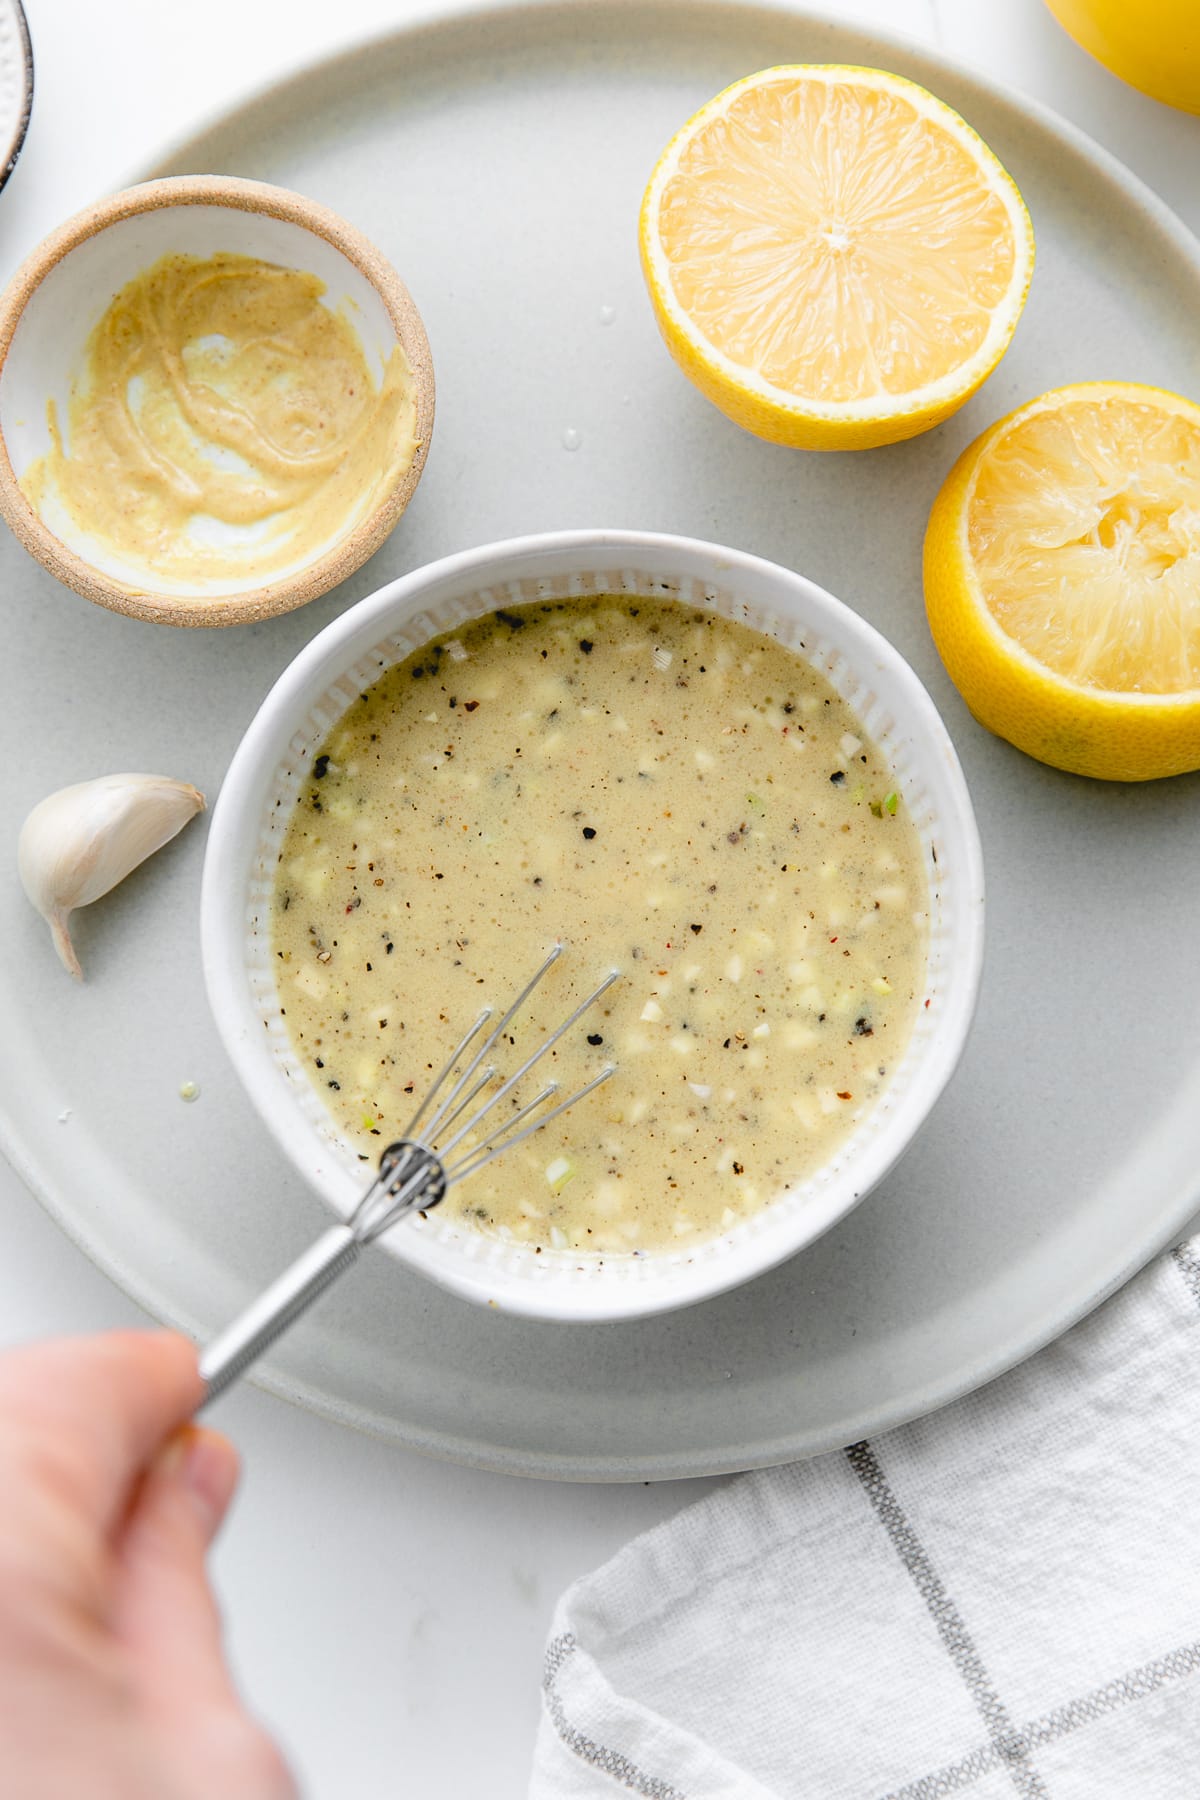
<point>225,423</point>
<point>672,794</point>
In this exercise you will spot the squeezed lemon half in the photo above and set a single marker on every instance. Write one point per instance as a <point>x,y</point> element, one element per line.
<point>834,257</point>
<point>1062,580</point>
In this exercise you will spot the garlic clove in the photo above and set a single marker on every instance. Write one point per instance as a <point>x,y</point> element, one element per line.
<point>80,842</point>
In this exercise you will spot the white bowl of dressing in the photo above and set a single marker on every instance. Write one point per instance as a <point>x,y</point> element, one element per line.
<point>274,760</point>
<point>216,400</point>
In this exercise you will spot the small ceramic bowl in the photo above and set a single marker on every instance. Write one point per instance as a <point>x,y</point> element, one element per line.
<point>59,294</point>
<point>273,761</point>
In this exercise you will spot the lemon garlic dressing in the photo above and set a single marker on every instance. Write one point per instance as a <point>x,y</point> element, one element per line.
<point>671,793</point>
<point>226,424</point>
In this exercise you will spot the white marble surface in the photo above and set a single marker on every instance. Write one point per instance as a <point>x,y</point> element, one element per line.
<point>376,1601</point>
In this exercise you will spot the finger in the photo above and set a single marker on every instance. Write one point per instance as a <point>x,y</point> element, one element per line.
<point>81,1417</point>
<point>164,1610</point>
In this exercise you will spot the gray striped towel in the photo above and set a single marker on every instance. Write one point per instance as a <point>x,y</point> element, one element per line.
<point>1002,1599</point>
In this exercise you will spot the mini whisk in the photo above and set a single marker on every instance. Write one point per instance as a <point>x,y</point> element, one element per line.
<point>442,1146</point>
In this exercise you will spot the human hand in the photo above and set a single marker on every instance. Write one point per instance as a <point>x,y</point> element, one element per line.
<point>113,1684</point>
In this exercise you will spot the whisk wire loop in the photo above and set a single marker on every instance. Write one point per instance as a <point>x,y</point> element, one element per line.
<point>472,1161</point>
<point>513,1080</point>
<point>543,1049</point>
<point>493,1037</point>
<point>448,1066</point>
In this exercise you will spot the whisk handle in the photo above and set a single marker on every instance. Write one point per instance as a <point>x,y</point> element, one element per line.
<point>255,1330</point>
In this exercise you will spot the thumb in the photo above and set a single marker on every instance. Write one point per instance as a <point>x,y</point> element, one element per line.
<point>166,1614</point>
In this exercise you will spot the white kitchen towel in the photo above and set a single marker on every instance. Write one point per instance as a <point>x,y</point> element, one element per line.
<point>1003,1599</point>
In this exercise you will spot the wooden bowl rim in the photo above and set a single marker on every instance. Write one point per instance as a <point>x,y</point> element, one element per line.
<point>351,551</point>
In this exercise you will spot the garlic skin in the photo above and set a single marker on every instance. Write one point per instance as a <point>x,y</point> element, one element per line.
<point>78,843</point>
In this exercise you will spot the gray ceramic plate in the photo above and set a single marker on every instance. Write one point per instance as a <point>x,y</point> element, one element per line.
<point>499,161</point>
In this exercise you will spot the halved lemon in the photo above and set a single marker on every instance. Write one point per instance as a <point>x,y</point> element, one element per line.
<point>834,257</point>
<point>1062,580</point>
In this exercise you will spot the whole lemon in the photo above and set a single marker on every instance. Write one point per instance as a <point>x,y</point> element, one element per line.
<point>1152,44</point>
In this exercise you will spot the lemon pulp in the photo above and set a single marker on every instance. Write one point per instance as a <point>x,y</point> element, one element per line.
<point>1084,530</point>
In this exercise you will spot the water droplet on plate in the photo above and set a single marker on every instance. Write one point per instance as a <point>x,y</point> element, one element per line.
<point>571,438</point>
<point>607,314</point>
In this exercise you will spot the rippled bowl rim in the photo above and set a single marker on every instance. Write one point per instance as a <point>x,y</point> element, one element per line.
<point>266,773</point>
